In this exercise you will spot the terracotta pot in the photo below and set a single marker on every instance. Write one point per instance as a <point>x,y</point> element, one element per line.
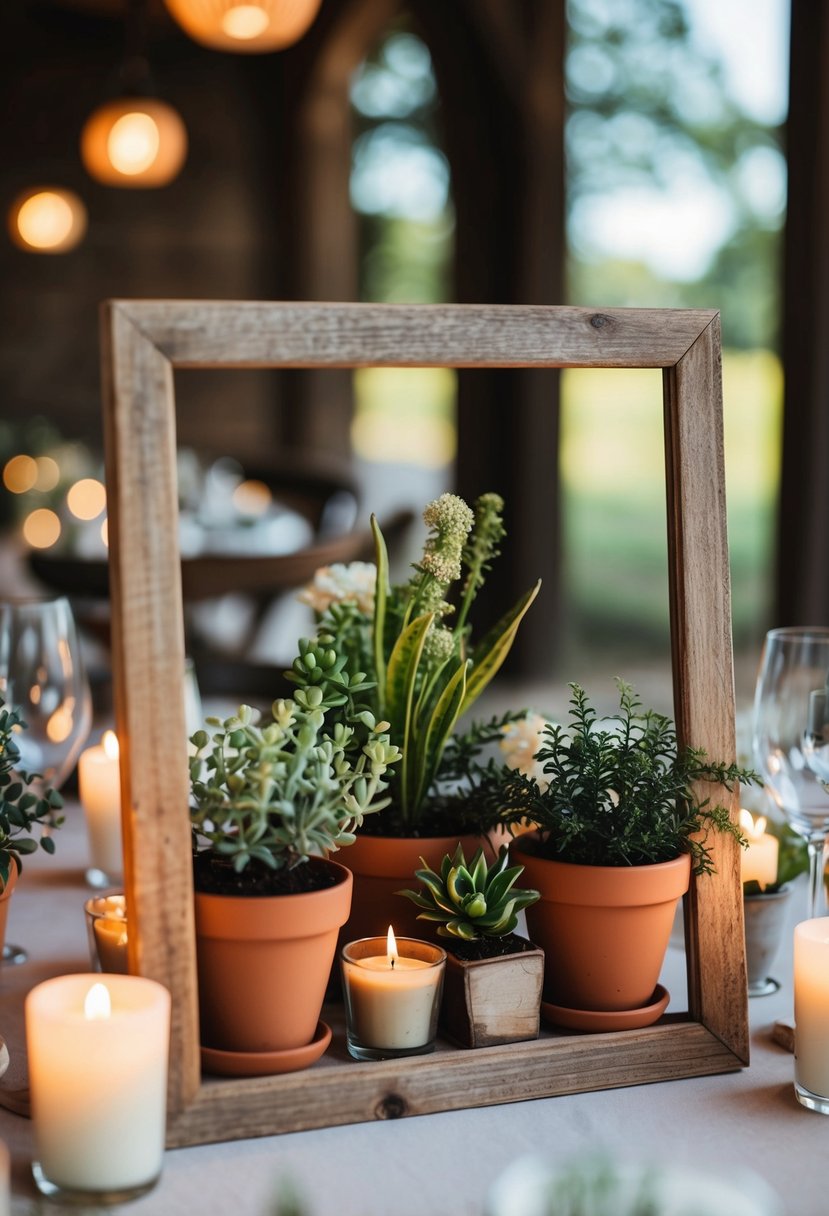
<point>604,930</point>
<point>492,1000</point>
<point>5,896</point>
<point>263,964</point>
<point>384,865</point>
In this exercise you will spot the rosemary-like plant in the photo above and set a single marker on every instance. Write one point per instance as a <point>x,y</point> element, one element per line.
<point>624,793</point>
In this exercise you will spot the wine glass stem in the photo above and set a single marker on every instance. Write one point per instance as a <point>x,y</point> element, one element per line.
<point>816,846</point>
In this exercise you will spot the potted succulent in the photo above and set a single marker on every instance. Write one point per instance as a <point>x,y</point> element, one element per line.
<point>619,828</point>
<point>426,670</point>
<point>20,810</point>
<point>270,800</point>
<point>493,978</point>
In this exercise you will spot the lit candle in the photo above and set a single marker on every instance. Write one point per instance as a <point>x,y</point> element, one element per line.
<point>107,929</point>
<point>811,1013</point>
<point>759,860</point>
<point>99,784</point>
<point>392,996</point>
<point>98,1080</point>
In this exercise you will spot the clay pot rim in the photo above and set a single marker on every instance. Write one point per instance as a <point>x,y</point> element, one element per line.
<point>391,856</point>
<point>620,885</point>
<point>293,900</point>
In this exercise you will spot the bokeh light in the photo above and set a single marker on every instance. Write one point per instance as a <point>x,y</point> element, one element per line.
<point>47,220</point>
<point>87,498</point>
<point>20,474</point>
<point>41,528</point>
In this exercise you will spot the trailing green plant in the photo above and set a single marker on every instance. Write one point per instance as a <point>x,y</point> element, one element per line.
<point>20,807</point>
<point>296,785</point>
<point>425,668</point>
<point>471,901</point>
<point>622,794</point>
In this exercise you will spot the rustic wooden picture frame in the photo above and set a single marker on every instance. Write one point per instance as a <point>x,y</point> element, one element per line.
<point>144,342</point>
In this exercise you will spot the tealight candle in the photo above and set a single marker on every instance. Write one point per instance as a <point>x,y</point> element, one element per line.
<point>392,996</point>
<point>106,920</point>
<point>97,1052</point>
<point>759,860</point>
<point>99,787</point>
<point>811,1013</point>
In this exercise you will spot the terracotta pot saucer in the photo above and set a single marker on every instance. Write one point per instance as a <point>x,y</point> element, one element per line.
<point>266,1063</point>
<point>595,1020</point>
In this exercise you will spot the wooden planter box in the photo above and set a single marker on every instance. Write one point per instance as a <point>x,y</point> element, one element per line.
<point>144,342</point>
<point>491,1001</point>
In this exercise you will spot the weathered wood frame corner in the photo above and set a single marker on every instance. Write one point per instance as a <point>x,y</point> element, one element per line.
<point>143,343</point>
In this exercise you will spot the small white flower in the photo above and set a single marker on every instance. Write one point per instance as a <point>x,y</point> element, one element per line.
<point>342,584</point>
<point>521,741</point>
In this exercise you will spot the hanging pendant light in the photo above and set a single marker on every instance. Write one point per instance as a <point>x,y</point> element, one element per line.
<point>244,25</point>
<point>47,219</point>
<point>134,140</point>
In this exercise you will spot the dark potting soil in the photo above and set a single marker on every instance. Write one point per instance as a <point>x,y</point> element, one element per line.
<point>490,947</point>
<point>215,876</point>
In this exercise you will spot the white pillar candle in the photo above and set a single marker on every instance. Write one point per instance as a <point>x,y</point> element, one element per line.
<point>393,997</point>
<point>759,860</point>
<point>97,1049</point>
<point>811,1007</point>
<point>99,785</point>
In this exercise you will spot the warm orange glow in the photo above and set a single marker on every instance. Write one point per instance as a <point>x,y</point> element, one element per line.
<point>105,532</point>
<point>20,474</point>
<point>753,828</point>
<point>47,220</point>
<point>134,141</point>
<point>251,498</point>
<point>110,744</point>
<point>258,25</point>
<point>97,1004</point>
<point>41,528</point>
<point>59,725</point>
<point>245,21</point>
<point>391,944</point>
<point>48,473</point>
<point>87,498</point>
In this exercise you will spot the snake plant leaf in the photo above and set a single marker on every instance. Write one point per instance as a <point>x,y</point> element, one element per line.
<point>430,744</point>
<point>400,687</point>
<point>381,591</point>
<point>495,646</point>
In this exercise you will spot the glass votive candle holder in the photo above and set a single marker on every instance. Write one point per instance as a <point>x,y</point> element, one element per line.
<point>106,929</point>
<point>392,998</point>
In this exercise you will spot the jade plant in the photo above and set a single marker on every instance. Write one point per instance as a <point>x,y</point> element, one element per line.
<point>21,808</point>
<point>620,791</point>
<point>270,794</point>
<point>471,901</point>
<point>416,641</point>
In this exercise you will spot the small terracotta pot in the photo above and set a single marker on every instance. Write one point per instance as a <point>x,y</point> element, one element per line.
<point>492,1000</point>
<point>5,896</point>
<point>604,930</point>
<point>384,865</point>
<point>263,963</point>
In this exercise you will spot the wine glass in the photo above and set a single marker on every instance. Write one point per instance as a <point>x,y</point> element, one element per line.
<point>42,674</point>
<point>791,738</point>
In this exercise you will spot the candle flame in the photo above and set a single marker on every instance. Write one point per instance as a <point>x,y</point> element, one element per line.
<point>110,743</point>
<point>391,946</point>
<point>97,1004</point>
<point>753,828</point>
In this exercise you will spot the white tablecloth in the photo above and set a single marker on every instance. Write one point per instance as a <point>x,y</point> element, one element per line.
<point>443,1164</point>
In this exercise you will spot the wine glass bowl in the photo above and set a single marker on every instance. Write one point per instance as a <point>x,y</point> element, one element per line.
<point>791,737</point>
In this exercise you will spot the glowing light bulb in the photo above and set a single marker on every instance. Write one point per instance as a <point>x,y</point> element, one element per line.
<point>133,143</point>
<point>245,21</point>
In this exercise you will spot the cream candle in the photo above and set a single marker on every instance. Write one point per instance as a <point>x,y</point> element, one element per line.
<point>97,1052</point>
<point>99,786</point>
<point>759,860</point>
<point>811,1013</point>
<point>392,995</point>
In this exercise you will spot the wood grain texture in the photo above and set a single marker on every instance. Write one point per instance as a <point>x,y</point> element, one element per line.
<point>215,334</point>
<point>148,672</point>
<point>700,600</point>
<point>339,1090</point>
<point>143,342</point>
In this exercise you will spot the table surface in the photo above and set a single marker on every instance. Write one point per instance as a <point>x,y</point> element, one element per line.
<point>443,1163</point>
